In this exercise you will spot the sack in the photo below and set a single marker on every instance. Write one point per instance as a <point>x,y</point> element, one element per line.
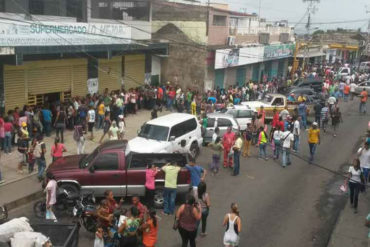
<point>98,242</point>
<point>50,215</point>
<point>175,225</point>
<point>32,239</point>
<point>344,187</point>
<point>8,229</point>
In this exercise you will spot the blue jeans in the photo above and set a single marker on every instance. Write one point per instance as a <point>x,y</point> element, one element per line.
<point>100,121</point>
<point>47,128</point>
<point>262,150</point>
<point>41,164</point>
<point>277,149</point>
<point>296,143</point>
<point>286,156</point>
<point>346,97</point>
<point>236,163</point>
<point>304,121</point>
<point>366,171</point>
<point>169,103</point>
<point>169,200</point>
<point>7,142</point>
<point>312,150</point>
<point>363,107</point>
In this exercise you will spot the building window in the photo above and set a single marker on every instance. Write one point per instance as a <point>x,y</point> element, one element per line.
<point>120,10</point>
<point>74,8</point>
<point>219,20</point>
<point>36,7</point>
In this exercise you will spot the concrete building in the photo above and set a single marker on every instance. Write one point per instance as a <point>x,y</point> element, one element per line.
<point>53,50</point>
<point>237,47</point>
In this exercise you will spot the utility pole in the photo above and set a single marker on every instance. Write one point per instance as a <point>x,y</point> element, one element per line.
<point>259,13</point>
<point>311,9</point>
<point>208,5</point>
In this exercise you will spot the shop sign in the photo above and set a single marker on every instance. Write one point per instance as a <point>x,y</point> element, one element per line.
<point>236,57</point>
<point>278,51</point>
<point>93,85</point>
<point>13,33</point>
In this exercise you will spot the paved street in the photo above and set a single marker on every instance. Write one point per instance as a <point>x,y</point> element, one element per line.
<point>295,206</point>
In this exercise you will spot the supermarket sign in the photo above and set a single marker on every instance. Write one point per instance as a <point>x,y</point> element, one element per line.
<point>22,33</point>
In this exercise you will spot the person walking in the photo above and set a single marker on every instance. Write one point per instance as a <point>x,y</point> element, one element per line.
<point>51,198</point>
<point>228,141</point>
<point>39,153</point>
<point>276,139</point>
<point>336,118</point>
<point>324,117</point>
<point>22,151</point>
<point>57,149</point>
<point>78,136</point>
<point>171,171</point>
<point>262,142</point>
<point>150,173</point>
<point>8,132</point>
<point>233,226</point>
<point>355,179</point>
<point>296,133</point>
<point>197,174</point>
<point>121,127</point>
<point>363,155</point>
<point>113,131</point>
<point>205,204</point>
<point>47,117</point>
<point>237,147</point>
<point>247,136</point>
<point>287,138</point>
<point>216,155</point>
<point>363,98</point>
<point>60,123</point>
<point>187,216</point>
<point>317,109</point>
<point>302,112</point>
<point>106,126</point>
<point>313,140</point>
<point>91,122</point>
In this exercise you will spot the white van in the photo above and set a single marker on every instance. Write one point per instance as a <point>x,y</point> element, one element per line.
<point>364,67</point>
<point>175,132</point>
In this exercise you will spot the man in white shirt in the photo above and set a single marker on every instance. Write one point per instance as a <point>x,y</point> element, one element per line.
<point>352,88</point>
<point>364,157</point>
<point>91,121</point>
<point>296,133</point>
<point>287,138</point>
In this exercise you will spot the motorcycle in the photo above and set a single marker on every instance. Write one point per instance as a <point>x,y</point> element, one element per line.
<point>84,211</point>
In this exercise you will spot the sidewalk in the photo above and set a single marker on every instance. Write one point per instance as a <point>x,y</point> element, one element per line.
<point>350,229</point>
<point>17,186</point>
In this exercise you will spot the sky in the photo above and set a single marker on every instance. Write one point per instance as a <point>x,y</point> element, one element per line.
<point>293,10</point>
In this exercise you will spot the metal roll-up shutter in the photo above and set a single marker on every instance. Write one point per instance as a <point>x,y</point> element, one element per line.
<point>134,71</point>
<point>44,80</point>
<point>79,78</point>
<point>14,87</point>
<point>110,73</point>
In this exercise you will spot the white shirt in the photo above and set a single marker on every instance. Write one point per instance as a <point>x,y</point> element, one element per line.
<point>121,126</point>
<point>355,174</point>
<point>364,157</point>
<point>297,128</point>
<point>289,137</point>
<point>52,187</point>
<point>277,135</point>
<point>214,137</point>
<point>352,87</point>
<point>91,116</point>
<point>283,114</point>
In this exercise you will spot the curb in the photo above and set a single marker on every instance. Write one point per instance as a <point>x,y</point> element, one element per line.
<point>19,202</point>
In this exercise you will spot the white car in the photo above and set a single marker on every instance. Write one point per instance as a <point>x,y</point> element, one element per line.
<point>175,132</point>
<point>243,115</point>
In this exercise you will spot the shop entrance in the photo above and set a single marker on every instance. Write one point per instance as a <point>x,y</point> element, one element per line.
<point>51,99</point>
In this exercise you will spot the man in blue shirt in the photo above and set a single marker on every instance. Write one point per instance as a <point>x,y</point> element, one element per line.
<point>197,174</point>
<point>302,112</point>
<point>46,115</point>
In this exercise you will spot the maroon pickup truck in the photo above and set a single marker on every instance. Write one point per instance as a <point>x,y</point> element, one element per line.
<point>108,168</point>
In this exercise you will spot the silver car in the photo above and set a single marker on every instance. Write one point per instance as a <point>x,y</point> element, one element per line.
<point>361,86</point>
<point>222,121</point>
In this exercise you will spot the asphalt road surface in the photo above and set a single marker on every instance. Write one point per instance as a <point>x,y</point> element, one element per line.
<point>294,206</point>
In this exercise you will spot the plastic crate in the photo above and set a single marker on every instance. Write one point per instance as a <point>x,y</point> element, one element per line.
<point>61,235</point>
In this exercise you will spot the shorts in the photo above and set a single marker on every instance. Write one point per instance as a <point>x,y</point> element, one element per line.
<point>22,157</point>
<point>90,126</point>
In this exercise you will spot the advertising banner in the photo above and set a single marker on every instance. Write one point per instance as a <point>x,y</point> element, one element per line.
<point>13,33</point>
<point>278,51</point>
<point>236,57</point>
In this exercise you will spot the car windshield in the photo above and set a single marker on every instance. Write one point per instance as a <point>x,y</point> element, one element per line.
<point>88,158</point>
<point>268,99</point>
<point>155,132</point>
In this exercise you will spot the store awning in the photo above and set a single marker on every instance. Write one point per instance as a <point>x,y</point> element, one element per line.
<point>311,54</point>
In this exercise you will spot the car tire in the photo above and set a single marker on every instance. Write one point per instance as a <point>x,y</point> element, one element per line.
<point>158,198</point>
<point>194,150</point>
<point>72,189</point>
<point>39,209</point>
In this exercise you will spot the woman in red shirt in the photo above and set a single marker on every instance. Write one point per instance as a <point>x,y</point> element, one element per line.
<point>57,149</point>
<point>8,129</point>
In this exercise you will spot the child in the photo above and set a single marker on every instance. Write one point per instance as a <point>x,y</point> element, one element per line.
<point>217,148</point>
<point>99,241</point>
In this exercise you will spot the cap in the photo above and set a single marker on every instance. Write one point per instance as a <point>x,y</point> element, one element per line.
<point>120,116</point>
<point>315,123</point>
<point>24,124</point>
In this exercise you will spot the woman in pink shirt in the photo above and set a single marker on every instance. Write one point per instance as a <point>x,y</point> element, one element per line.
<point>57,149</point>
<point>151,172</point>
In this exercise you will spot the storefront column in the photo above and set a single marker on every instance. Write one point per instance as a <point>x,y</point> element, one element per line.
<point>2,97</point>
<point>148,68</point>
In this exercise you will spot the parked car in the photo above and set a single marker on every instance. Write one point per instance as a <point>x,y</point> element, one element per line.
<point>110,167</point>
<point>363,85</point>
<point>364,67</point>
<point>302,90</point>
<point>165,135</point>
<point>242,114</point>
<point>222,121</point>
